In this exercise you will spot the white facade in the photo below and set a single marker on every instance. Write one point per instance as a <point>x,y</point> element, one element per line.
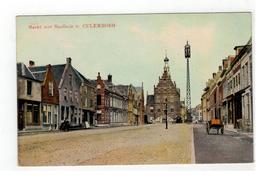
<point>246,83</point>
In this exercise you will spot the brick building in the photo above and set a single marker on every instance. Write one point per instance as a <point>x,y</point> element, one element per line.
<point>50,95</point>
<point>112,105</point>
<point>165,89</point>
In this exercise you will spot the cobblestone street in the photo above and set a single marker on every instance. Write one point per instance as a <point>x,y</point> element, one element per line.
<point>150,144</point>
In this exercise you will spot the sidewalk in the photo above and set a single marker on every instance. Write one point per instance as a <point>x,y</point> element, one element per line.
<point>240,132</point>
<point>91,128</point>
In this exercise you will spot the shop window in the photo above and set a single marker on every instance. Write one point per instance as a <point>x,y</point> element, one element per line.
<point>49,117</point>
<point>44,115</point>
<point>36,114</point>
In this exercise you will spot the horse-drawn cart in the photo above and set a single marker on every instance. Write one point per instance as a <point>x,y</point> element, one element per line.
<point>215,124</point>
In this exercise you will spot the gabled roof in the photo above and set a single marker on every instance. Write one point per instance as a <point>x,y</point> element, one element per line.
<point>93,81</point>
<point>84,79</point>
<point>22,70</point>
<point>113,88</point>
<point>123,89</point>
<point>39,72</point>
<point>57,72</point>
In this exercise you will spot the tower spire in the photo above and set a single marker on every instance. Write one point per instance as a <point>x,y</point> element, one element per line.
<point>166,63</point>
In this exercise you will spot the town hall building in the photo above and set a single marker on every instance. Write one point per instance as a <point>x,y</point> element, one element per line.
<point>165,89</point>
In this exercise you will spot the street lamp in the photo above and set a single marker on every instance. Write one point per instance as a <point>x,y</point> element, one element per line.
<point>166,127</point>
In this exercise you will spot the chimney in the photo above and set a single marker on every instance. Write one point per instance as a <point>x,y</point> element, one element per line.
<point>238,49</point>
<point>214,75</point>
<point>230,59</point>
<point>68,59</point>
<point>220,68</point>
<point>98,77</point>
<point>31,63</point>
<point>48,66</point>
<point>224,63</point>
<point>109,78</point>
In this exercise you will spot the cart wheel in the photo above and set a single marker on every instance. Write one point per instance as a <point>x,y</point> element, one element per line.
<point>222,131</point>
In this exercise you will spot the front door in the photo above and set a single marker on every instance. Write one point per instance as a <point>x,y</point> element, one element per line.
<point>20,119</point>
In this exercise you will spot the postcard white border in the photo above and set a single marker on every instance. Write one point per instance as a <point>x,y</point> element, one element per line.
<point>8,133</point>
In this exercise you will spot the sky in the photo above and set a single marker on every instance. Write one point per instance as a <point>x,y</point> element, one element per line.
<point>133,47</point>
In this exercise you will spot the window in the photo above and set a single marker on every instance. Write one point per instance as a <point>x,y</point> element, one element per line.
<point>67,112</point>
<point>49,117</point>
<point>50,88</point>
<point>29,113</point>
<point>44,115</point>
<point>44,118</point>
<point>86,102</point>
<point>70,79</point>
<point>158,110</point>
<point>98,99</point>
<point>76,96</point>
<point>172,110</point>
<point>36,114</point>
<point>246,73</point>
<point>151,110</point>
<point>238,78</point>
<point>29,87</point>
<point>71,99</point>
<point>29,108</point>
<point>65,94</point>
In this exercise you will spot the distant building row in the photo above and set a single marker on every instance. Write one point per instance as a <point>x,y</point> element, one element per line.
<point>48,95</point>
<point>228,94</point>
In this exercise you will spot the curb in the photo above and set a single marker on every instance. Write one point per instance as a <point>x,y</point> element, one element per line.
<point>193,161</point>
